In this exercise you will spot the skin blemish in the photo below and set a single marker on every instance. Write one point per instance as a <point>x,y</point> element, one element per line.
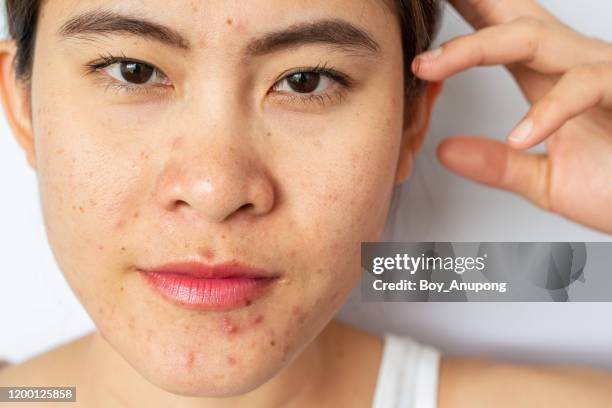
<point>101,247</point>
<point>119,224</point>
<point>272,343</point>
<point>207,253</point>
<point>176,142</point>
<point>121,288</point>
<point>229,21</point>
<point>122,249</point>
<point>131,322</point>
<point>136,214</point>
<point>228,326</point>
<point>231,360</point>
<point>299,314</point>
<point>258,320</point>
<point>189,360</point>
<point>248,302</point>
<point>81,209</point>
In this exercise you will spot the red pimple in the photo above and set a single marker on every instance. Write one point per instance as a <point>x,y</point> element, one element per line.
<point>190,360</point>
<point>229,327</point>
<point>207,253</point>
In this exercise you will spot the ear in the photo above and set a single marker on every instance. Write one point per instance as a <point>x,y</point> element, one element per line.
<point>416,124</point>
<point>15,96</point>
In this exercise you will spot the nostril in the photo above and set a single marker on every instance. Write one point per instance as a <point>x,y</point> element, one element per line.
<point>246,207</point>
<point>180,203</point>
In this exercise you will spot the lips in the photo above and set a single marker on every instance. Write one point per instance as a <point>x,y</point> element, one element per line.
<point>218,287</point>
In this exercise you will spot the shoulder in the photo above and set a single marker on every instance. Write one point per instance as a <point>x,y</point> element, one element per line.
<point>53,367</point>
<point>474,383</point>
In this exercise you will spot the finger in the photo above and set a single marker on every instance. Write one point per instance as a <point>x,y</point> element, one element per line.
<point>482,13</point>
<point>580,89</point>
<point>541,46</point>
<point>493,163</point>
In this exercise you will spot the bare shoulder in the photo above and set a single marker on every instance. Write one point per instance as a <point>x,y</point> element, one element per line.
<point>474,383</point>
<point>54,367</point>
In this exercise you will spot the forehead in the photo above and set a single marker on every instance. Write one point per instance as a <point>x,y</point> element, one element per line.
<point>204,21</point>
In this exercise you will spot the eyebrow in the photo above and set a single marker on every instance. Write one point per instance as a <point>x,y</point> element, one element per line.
<point>333,32</point>
<point>106,22</point>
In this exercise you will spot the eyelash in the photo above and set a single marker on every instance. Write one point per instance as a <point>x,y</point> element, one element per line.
<point>343,81</point>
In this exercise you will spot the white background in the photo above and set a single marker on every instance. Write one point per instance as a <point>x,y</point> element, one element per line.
<point>38,311</point>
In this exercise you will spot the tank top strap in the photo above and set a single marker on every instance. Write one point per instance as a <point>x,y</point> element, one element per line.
<point>408,374</point>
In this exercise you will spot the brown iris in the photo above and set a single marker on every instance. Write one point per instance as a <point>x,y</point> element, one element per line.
<point>304,82</point>
<point>136,72</point>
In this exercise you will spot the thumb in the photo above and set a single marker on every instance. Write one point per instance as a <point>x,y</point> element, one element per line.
<point>493,163</point>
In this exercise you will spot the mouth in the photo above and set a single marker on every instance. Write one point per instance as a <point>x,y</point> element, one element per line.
<point>200,286</point>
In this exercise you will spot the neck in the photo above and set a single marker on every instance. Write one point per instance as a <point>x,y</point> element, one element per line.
<point>301,384</point>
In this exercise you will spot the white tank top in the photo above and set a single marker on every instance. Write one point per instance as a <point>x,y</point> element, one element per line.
<point>408,374</point>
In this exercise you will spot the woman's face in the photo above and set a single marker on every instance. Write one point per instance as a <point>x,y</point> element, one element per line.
<point>223,153</point>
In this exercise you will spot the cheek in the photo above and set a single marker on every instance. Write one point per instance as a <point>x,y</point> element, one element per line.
<point>85,185</point>
<point>339,194</point>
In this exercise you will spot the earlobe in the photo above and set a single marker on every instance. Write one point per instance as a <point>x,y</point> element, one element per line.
<point>417,125</point>
<point>16,101</point>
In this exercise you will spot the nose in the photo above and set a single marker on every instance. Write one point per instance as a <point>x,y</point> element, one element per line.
<point>216,182</point>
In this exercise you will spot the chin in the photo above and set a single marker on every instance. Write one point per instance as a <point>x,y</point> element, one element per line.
<point>207,376</point>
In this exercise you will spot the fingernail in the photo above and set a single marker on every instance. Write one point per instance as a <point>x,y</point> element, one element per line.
<point>522,131</point>
<point>430,54</point>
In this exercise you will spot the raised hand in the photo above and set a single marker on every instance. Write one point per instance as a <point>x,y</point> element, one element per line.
<point>567,77</point>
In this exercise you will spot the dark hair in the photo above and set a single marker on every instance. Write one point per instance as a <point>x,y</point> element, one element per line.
<point>418,18</point>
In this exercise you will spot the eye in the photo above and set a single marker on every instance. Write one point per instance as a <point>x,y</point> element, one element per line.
<point>134,72</point>
<point>305,83</point>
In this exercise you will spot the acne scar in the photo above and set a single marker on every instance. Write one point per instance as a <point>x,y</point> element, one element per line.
<point>231,360</point>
